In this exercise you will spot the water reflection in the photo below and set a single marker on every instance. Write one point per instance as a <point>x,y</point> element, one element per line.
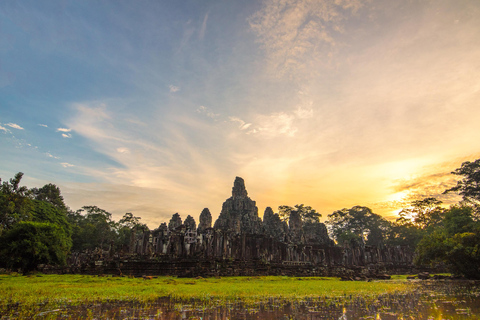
<point>433,300</point>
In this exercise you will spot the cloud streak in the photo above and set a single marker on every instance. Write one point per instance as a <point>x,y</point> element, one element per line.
<point>14,126</point>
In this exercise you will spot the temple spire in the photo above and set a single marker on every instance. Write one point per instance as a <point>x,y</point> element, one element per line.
<point>239,191</point>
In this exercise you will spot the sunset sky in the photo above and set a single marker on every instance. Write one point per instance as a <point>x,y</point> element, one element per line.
<point>154,107</point>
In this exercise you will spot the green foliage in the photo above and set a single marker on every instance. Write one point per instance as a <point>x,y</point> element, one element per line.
<point>431,249</point>
<point>14,203</point>
<point>79,289</point>
<point>30,243</point>
<point>358,223</point>
<point>404,234</point>
<point>93,229</point>
<point>456,243</point>
<point>458,219</point>
<point>46,212</point>
<point>125,227</point>
<point>50,193</point>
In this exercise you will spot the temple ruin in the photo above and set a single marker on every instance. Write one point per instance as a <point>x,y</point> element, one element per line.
<point>240,243</point>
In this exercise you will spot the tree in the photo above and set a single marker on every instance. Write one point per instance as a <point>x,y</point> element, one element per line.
<point>14,186</point>
<point>50,193</point>
<point>404,234</point>
<point>28,244</point>
<point>126,226</point>
<point>42,211</point>
<point>424,214</point>
<point>93,229</point>
<point>469,186</point>
<point>307,213</point>
<point>358,223</point>
<point>130,221</point>
<point>14,203</point>
<point>456,243</point>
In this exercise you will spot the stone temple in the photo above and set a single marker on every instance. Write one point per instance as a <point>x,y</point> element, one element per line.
<point>239,243</point>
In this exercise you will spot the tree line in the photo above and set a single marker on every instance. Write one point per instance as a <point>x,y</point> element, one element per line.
<point>36,226</point>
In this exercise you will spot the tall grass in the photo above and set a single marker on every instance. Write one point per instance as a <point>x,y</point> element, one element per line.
<point>80,289</point>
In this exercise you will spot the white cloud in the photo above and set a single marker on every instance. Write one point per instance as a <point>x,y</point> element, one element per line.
<point>242,125</point>
<point>67,165</point>
<point>174,88</point>
<point>43,125</point>
<point>201,33</point>
<point>14,126</point>
<point>51,156</point>
<point>123,150</point>
<point>304,112</point>
<point>274,125</point>
<point>63,130</point>
<point>4,129</point>
<point>207,112</point>
<point>66,135</point>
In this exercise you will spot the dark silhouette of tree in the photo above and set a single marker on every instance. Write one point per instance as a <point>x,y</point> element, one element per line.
<point>469,186</point>
<point>359,224</point>
<point>423,214</point>
<point>307,213</point>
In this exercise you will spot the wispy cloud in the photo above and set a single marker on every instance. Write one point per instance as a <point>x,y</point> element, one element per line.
<point>297,34</point>
<point>43,125</point>
<point>66,135</point>
<point>67,165</point>
<point>203,28</point>
<point>173,88</point>
<point>207,112</point>
<point>63,130</point>
<point>123,150</point>
<point>14,126</point>
<point>5,130</point>
<point>275,124</point>
<point>48,154</point>
<point>242,125</point>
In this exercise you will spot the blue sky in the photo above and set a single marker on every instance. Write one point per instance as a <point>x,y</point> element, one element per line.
<point>153,107</point>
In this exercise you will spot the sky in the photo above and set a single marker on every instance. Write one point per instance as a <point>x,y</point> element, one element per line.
<point>154,107</point>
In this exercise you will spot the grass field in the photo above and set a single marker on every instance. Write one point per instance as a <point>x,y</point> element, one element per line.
<point>95,297</point>
<point>80,289</point>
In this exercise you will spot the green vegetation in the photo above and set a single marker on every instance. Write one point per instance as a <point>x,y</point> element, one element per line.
<point>30,243</point>
<point>81,289</point>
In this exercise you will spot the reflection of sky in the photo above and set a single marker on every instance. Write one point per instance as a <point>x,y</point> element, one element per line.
<point>155,107</point>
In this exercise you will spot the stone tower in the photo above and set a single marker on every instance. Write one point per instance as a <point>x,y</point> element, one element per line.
<point>205,220</point>
<point>239,213</point>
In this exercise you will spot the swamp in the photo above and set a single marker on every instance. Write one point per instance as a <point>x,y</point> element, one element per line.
<point>42,296</point>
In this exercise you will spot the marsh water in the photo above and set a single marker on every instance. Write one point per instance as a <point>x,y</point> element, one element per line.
<point>431,300</point>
